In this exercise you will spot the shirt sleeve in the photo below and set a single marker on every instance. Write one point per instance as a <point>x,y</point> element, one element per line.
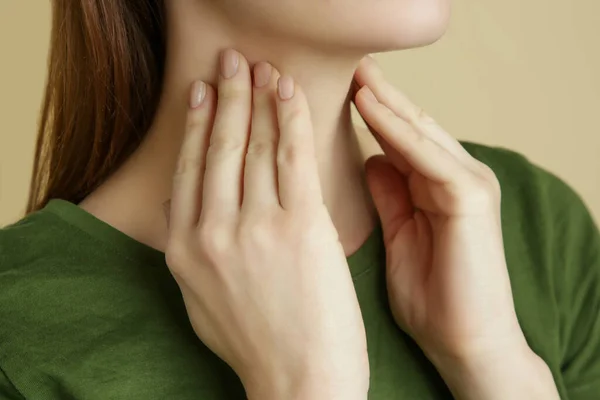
<point>7,390</point>
<point>576,242</point>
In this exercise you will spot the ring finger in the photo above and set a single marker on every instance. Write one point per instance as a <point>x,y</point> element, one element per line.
<point>260,172</point>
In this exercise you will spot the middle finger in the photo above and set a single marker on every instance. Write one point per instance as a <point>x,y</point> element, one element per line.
<point>225,156</point>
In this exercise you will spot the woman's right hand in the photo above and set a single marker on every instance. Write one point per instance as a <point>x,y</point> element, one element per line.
<point>253,249</point>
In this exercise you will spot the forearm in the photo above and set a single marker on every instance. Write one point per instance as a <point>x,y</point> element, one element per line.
<point>509,375</point>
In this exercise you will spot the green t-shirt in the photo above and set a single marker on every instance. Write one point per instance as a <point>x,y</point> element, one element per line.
<point>88,313</point>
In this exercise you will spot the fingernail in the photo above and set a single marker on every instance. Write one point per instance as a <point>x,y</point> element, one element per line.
<point>230,61</point>
<point>262,74</point>
<point>197,94</point>
<point>286,88</point>
<point>368,94</point>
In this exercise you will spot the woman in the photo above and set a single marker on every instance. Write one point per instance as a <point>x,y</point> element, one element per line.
<point>253,157</point>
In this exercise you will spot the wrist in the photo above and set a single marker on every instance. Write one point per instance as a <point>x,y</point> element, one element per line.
<point>500,373</point>
<point>309,384</point>
<point>322,389</point>
<point>468,353</point>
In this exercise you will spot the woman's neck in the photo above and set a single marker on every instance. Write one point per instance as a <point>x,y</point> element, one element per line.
<point>140,187</point>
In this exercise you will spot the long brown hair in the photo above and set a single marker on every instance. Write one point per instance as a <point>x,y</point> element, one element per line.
<point>105,70</point>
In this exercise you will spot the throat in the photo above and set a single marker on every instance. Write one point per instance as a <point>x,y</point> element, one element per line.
<point>132,199</point>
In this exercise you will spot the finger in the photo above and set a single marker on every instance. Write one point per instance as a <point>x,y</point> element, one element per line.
<point>369,74</point>
<point>298,175</point>
<point>260,172</point>
<point>225,157</point>
<point>185,204</point>
<point>394,156</point>
<point>421,152</point>
<point>390,193</point>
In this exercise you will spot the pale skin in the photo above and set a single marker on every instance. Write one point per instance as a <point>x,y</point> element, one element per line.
<point>457,196</point>
<point>250,258</point>
<point>247,257</point>
<point>447,278</point>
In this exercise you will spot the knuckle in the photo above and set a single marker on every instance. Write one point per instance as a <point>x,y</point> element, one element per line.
<point>293,116</point>
<point>488,172</point>
<point>261,147</point>
<point>405,128</point>
<point>220,144</point>
<point>186,164</point>
<point>312,226</point>
<point>214,242</point>
<point>196,121</point>
<point>417,139</point>
<point>482,193</point>
<point>421,138</point>
<point>422,117</point>
<point>315,229</point>
<point>490,178</point>
<point>386,112</point>
<point>257,231</point>
<point>288,156</point>
<point>177,254</point>
<point>495,186</point>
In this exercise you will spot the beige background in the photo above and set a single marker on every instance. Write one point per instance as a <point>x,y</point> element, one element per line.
<point>519,74</point>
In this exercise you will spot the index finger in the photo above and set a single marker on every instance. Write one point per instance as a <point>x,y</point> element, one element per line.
<point>186,200</point>
<point>421,152</point>
<point>370,74</point>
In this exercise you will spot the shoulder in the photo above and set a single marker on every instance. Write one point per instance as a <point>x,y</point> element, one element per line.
<point>540,210</point>
<point>45,275</point>
<point>35,253</point>
<point>511,168</point>
<point>31,254</point>
<point>552,243</point>
<point>550,237</point>
<point>31,240</point>
<point>552,247</point>
<point>526,185</point>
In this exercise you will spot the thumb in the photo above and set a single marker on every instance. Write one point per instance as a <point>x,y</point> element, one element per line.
<point>389,189</point>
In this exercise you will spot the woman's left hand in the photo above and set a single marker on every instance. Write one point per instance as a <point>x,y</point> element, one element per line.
<point>440,210</point>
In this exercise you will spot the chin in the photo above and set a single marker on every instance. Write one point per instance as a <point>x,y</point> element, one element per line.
<point>419,25</point>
